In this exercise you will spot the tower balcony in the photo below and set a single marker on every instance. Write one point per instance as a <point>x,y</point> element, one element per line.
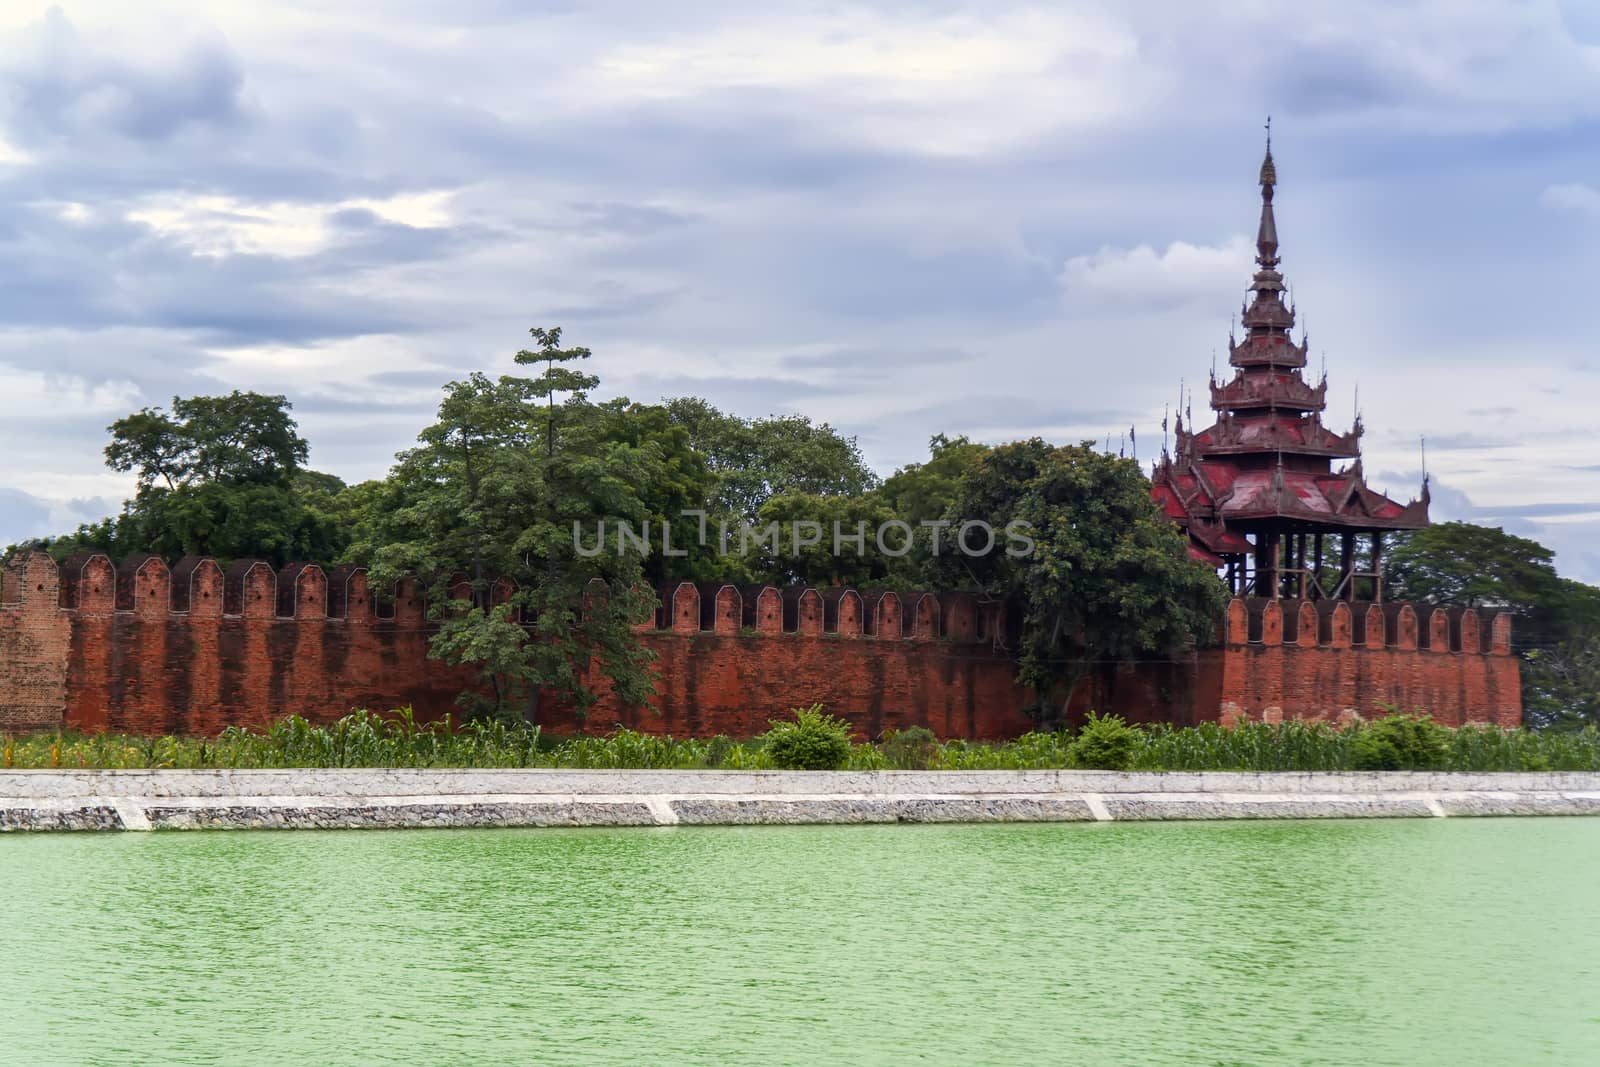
<point>1287,392</point>
<point>1267,350</point>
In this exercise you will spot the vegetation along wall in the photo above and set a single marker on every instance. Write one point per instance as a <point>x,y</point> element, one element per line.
<point>141,647</point>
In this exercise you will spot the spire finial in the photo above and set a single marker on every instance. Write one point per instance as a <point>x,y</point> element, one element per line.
<point>1269,172</point>
<point>1267,233</point>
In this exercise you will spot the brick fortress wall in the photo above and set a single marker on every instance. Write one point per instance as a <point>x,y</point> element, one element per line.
<point>147,649</point>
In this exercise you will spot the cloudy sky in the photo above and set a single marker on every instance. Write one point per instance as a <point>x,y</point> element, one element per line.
<point>986,218</point>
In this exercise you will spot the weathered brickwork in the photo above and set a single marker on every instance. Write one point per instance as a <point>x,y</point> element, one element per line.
<point>1332,661</point>
<point>143,648</point>
<point>34,644</point>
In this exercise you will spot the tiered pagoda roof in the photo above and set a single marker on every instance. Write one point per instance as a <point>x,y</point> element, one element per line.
<point>1267,462</point>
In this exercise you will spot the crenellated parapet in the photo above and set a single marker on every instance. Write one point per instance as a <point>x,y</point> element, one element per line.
<point>91,585</point>
<point>147,647</point>
<point>766,610</point>
<point>1337,661</point>
<point>1374,627</point>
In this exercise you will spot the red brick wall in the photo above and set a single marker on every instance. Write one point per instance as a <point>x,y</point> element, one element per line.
<point>137,665</point>
<point>34,639</point>
<point>1284,659</point>
<point>143,649</point>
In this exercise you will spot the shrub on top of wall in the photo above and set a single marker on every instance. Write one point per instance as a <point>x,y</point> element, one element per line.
<point>1106,743</point>
<point>1400,743</point>
<point>814,741</point>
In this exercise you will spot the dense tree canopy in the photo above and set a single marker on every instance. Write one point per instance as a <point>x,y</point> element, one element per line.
<point>1107,577</point>
<point>239,438</point>
<point>754,460</point>
<point>218,476</point>
<point>506,484</point>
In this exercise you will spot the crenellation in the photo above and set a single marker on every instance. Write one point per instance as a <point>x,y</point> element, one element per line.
<point>1307,625</point>
<point>1271,615</point>
<point>310,592</point>
<point>887,616</point>
<point>1500,634</point>
<point>765,607</point>
<point>144,585</point>
<point>408,606</point>
<point>1439,631</point>
<point>728,614</point>
<point>803,611</point>
<point>1341,626</point>
<point>197,588</point>
<point>348,598</point>
<point>842,612</point>
<point>924,618</point>
<point>686,608</point>
<point>958,620</point>
<point>1236,630</point>
<point>89,584</point>
<point>1373,627</point>
<point>1464,626</point>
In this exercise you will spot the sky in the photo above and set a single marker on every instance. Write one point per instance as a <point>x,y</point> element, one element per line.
<point>994,219</point>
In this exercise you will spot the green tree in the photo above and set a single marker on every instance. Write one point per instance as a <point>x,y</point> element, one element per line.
<point>754,460</point>
<point>793,541</point>
<point>1472,566</point>
<point>1107,577</point>
<point>921,495</point>
<point>675,498</point>
<point>925,491</point>
<point>217,476</point>
<point>507,483</point>
<point>238,438</point>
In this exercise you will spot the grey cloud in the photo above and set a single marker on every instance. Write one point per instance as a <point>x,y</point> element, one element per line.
<point>1573,538</point>
<point>1456,442</point>
<point>21,516</point>
<point>875,361</point>
<point>24,516</point>
<point>606,300</point>
<point>630,218</point>
<point>751,397</point>
<point>64,89</point>
<point>752,220</point>
<point>413,379</point>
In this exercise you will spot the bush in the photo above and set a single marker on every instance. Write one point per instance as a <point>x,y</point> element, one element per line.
<point>913,749</point>
<point>1106,743</point>
<point>1400,743</point>
<point>718,749</point>
<point>813,742</point>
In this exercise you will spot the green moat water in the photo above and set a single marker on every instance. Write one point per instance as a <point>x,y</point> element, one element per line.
<point>1408,942</point>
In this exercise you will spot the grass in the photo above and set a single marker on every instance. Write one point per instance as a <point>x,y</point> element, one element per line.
<point>363,739</point>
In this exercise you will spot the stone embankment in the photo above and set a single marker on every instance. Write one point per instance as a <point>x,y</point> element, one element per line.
<point>377,798</point>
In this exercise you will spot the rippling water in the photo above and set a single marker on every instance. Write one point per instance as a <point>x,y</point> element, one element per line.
<point>1409,942</point>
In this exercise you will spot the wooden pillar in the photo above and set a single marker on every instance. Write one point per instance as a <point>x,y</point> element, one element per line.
<point>1347,566</point>
<point>1300,561</point>
<point>1319,562</point>
<point>1377,567</point>
<point>1273,573</point>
